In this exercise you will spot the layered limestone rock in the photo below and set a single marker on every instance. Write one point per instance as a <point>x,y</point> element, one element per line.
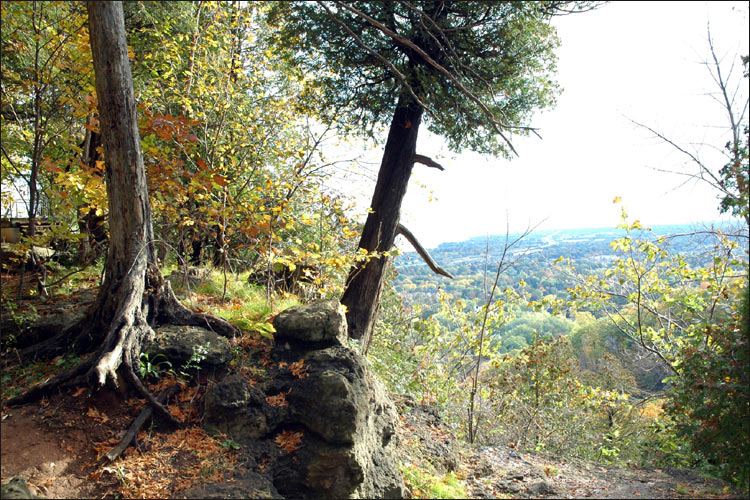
<point>341,415</point>
<point>180,344</point>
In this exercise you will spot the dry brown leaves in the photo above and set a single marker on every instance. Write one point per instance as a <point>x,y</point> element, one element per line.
<point>252,342</point>
<point>174,461</point>
<point>279,399</point>
<point>289,441</point>
<point>94,414</point>
<point>297,368</point>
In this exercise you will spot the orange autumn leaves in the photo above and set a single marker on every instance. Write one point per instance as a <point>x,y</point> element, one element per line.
<point>297,368</point>
<point>288,440</point>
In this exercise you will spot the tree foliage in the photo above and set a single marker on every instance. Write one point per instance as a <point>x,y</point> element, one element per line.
<point>47,76</point>
<point>477,68</point>
<point>711,398</point>
<point>236,169</point>
<point>694,320</point>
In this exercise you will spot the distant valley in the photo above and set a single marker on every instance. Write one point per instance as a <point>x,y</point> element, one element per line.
<point>532,260</point>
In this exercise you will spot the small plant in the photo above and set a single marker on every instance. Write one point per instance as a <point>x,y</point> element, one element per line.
<point>152,368</point>
<point>20,319</point>
<point>193,364</point>
<point>229,443</point>
<point>122,477</point>
<point>682,489</point>
<point>65,362</point>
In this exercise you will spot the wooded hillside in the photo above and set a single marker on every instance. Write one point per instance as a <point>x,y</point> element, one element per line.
<point>177,165</point>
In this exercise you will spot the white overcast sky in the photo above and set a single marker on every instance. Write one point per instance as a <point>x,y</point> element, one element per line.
<point>637,60</point>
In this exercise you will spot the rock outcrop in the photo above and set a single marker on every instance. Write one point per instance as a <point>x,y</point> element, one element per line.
<point>246,485</point>
<point>328,425</point>
<point>190,276</point>
<point>425,429</point>
<point>181,343</point>
<point>318,324</point>
<point>15,488</point>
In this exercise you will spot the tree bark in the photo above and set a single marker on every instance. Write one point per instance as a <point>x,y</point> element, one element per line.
<point>133,296</point>
<point>131,246</point>
<point>365,282</point>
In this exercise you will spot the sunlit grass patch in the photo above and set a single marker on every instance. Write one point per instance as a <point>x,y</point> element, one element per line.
<point>424,484</point>
<point>231,297</point>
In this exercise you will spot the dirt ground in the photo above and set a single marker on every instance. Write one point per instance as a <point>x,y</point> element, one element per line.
<point>505,473</point>
<point>52,444</point>
<point>56,445</point>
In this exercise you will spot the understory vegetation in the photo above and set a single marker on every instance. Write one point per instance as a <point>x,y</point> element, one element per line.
<point>644,361</point>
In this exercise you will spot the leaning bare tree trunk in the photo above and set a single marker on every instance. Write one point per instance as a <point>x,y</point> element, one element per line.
<point>134,296</point>
<point>365,282</point>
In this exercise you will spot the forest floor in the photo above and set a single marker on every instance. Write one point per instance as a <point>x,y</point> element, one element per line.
<point>57,445</point>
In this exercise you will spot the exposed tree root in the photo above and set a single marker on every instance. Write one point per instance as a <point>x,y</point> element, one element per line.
<point>133,297</point>
<point>132,432</point>
<point>174,313</point>
<point>82,337</point>
<point>138,304</point>
<point>70,377</point>
<point>48,348</point>
<point>154,402</point>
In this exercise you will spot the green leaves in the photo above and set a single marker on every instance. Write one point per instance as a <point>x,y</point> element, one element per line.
<point>265,329</point>
<point>474,83</point>
<point>694,320</point>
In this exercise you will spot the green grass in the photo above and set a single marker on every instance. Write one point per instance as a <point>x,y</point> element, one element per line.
<point>71,279</point>
<point>424,484</point>
<point>244,305</point>
<point>682,489</point>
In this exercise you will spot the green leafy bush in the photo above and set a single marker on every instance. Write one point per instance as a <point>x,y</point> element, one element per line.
<point>711,396</point>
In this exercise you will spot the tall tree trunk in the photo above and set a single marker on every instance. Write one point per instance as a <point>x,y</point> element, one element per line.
<point>197,249</point>
<point>131,247</point>
<point>134,296</point>
<point>365,282</point>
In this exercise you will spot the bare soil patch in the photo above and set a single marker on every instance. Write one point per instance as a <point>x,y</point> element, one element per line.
<point>57,445</point>
<point>52,444</point>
